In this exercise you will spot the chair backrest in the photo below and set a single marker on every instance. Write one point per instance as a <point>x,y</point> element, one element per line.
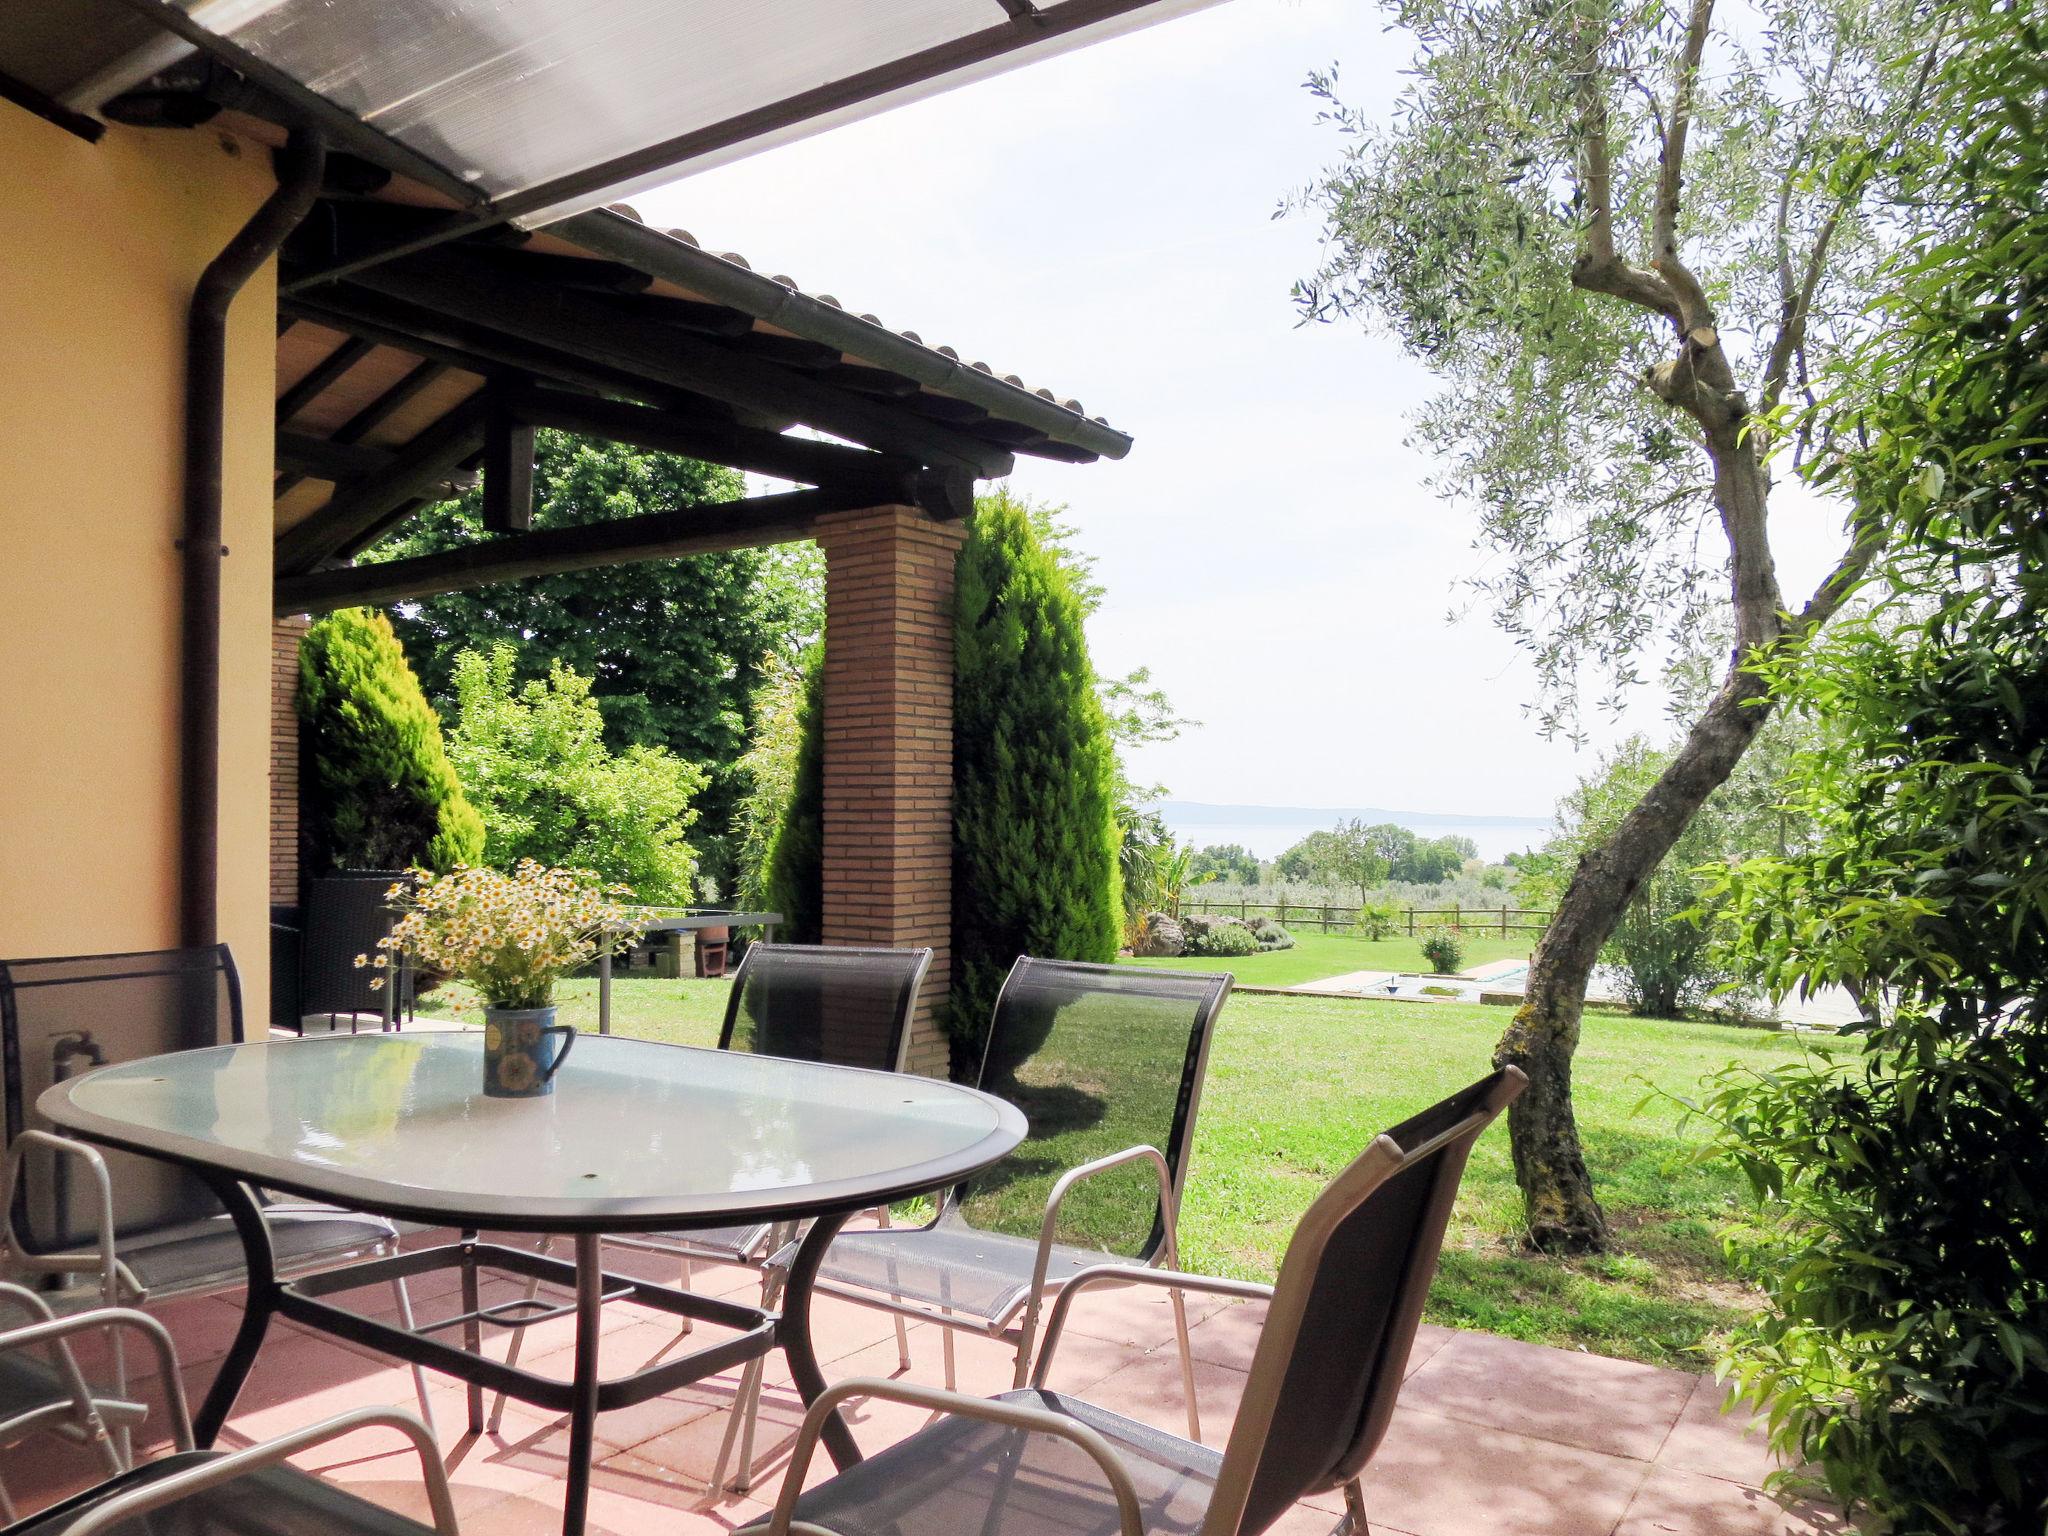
<point>1344,1311</point>
<point>844,1006</point>
<point>345,915</point>
<point>1099,1058</point>
<point>61,1017</point>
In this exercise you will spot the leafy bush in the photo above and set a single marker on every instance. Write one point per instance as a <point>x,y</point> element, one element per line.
<point>382,792</point>
<point>1269,933</point>
<point>1035,838</point>
<point>1444,949</point>
<point>1905,1351</point>
<point>1224,936</point>
<point>549,789</point>
<point>1377,920</point>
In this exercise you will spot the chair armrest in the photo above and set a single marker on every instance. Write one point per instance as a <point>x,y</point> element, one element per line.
<point>55,1330</point>
<point>1014,1415</point>
<point>222,1470</point>
<point>1066,1182</point>
<point>1131,1274</point>
<point>112,1272</point>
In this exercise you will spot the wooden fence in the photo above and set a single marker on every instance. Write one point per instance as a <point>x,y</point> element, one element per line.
<point>1412,920</point>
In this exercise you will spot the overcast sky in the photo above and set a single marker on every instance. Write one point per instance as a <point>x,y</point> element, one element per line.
<point>1101,224</point>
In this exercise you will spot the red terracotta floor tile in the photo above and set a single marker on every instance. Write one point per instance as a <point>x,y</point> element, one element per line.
<point>1718,1442</point>
<point>1672,1502</point>
<point>1588,1401</point>
<point>1435,1476</point>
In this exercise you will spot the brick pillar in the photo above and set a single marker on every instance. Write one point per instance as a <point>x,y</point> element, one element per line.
<point>284,759</point>
<point>889,744</point>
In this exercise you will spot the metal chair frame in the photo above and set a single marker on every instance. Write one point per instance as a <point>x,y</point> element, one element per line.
<point>1287,1308</point>
<point>224,1468</point>
<point>118,1285</point>
<point>759,1254</point>
<point>1162,1250</point>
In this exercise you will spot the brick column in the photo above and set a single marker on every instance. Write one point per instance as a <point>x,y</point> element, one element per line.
<point>284,759</point>
<point>888,863</point>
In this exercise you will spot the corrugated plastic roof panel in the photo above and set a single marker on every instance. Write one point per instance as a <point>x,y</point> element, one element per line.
<point>512,94</point>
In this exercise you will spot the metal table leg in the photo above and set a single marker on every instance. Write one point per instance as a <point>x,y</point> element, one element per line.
<point>583,1412</point>
<point>793,1333</point>
<point>472,1330</point>
<point>257,1306</point>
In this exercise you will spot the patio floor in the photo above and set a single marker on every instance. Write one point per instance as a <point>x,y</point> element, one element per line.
<point>1492,1435</point>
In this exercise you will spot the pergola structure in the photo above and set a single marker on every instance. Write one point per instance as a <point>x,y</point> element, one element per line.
<point>452,272</point>
<point>397,379</point>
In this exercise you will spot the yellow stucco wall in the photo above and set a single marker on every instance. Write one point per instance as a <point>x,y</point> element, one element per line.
<point>100,246</point>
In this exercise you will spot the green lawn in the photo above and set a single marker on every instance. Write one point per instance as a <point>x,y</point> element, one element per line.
<point>1316,955</point>
<point>1297,1085</point>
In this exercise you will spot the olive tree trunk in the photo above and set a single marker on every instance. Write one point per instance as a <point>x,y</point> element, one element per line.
<point>1563,1214</point>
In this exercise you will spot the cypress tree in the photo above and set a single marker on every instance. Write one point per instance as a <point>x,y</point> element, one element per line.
<point>793,866</point>
<point>382,792</point>
<point>1034,775</point>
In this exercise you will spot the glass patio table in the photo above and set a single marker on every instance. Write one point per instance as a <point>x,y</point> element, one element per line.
<point>636,1137</point>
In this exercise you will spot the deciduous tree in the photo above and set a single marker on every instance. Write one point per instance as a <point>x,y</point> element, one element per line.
<point>1623,237</point>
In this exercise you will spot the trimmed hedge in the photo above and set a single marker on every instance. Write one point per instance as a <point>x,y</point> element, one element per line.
<point>381,791</point>
<point>1035,838</point>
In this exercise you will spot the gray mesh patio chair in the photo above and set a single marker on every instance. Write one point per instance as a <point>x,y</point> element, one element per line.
<point>842,1005</point>
<point>50,1395</point>
<point>227,1493</point>
<point>1318,1399</point>
<point>125,1229</point>
<point>1106,1062</point>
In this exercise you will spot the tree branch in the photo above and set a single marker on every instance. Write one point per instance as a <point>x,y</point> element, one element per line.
<point>1834,590</point>
<point>1671,174</point>
<point>1598,269</point>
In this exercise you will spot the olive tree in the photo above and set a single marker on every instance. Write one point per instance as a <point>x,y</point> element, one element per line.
<point>1621,236</point>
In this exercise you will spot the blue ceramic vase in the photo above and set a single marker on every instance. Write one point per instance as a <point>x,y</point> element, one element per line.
<point>523,1050</point>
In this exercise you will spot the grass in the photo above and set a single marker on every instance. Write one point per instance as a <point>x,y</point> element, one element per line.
<point>1317,955</point>
<point>1297,1085</point>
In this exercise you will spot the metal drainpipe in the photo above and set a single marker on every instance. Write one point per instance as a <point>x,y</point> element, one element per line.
<point>299,174</point>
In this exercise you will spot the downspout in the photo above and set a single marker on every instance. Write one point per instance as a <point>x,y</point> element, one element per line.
<point>300,168</point>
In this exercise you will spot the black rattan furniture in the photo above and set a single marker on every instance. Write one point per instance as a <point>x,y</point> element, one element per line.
<point>637,1137</point>
<point>345,915</point>
<point>225,1493</point>
<point>1106,1063</point>
<point>132,1228</point>
<point>1321,1390</point>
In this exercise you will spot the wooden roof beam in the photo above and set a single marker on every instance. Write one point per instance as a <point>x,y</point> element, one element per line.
<point>413,472</point>
<point>582,326</point>
<point>747,524</point>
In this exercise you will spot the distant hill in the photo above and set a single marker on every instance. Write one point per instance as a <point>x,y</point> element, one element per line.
<point>1269,830</point>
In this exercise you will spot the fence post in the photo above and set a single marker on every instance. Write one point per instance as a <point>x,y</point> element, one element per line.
<point>1503,921</point>
<point>1283,912</point>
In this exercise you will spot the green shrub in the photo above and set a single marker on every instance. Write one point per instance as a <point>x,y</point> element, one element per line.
<point>550,790</point>
<point>382,794</point>
<point>1218,936</point>
<point>1035,841</point>
<point>1444,949</point>
<point>1377,919</point>
<point>791,878</point>
<point>1273,936</point>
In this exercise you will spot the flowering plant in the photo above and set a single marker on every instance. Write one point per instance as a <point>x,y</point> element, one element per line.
<point>510,936</point>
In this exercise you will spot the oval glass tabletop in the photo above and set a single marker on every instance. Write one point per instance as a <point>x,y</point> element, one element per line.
<point>636,1135</point>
